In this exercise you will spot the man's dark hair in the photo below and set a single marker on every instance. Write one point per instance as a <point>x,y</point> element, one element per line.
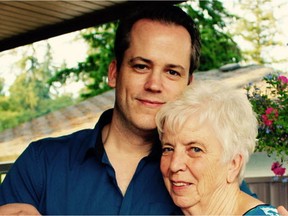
<point>164,13</point>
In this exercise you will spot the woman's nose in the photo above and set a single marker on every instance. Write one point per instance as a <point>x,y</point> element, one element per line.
<point>178,162</point>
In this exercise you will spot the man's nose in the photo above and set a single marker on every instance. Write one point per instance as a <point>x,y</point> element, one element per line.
<point>154,81</point>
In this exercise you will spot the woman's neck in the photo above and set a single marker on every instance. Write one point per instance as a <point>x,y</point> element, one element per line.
<point>223,201</point>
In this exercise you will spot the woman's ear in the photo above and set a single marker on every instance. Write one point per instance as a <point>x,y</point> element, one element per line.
<point>112,74</point>
<point>234,168</point>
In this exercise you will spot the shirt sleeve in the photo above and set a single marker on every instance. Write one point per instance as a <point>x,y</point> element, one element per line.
<point>22,183</point>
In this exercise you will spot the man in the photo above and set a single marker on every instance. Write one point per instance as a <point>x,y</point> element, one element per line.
<point>114,168</point>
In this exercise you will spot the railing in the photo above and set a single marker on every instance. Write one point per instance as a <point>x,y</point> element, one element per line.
<point>4,168</point>
<point>269,191</point>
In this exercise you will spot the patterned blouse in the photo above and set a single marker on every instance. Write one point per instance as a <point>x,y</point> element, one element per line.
<point>263,209</point>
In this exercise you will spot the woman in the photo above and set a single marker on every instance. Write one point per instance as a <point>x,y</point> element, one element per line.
<point>207,137</point>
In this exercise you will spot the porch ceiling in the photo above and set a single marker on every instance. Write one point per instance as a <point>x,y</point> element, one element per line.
<point>23,22</point>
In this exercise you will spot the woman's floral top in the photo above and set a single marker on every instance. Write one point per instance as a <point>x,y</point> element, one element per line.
<point>264,209</point>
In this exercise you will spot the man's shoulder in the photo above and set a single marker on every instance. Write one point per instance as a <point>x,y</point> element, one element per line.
<point>67,142</point>
<point>68,138</point>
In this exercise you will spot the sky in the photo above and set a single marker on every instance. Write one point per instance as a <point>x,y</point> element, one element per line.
<point>67,48</point>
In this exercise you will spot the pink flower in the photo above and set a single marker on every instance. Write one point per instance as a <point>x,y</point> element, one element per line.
<point>270,115</point>
<point>278,169</point>
<point>283,79</point>
<point>266,121</point>
<point>271,110</point>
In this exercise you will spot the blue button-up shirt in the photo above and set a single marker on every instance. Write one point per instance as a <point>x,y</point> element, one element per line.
<point>72,175</point>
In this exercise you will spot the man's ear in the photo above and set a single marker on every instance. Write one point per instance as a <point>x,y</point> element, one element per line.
<point>190,79</point>
<point>234,168</point>
<point>112,74</point>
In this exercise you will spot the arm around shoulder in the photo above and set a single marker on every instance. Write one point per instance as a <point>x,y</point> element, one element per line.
<point>282,211</point>
<point>18,209</point>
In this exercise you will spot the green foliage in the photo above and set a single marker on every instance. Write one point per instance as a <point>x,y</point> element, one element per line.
<point>1,86</point>
<point>8,119</point>
<point>30,94</point>
<point>94,70</point>
<point>270,105</point>
<point>218,46</point>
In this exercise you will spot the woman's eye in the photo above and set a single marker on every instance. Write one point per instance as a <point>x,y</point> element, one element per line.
<point>166,150</point>
<point>195,152</point>
<point>196,149</point>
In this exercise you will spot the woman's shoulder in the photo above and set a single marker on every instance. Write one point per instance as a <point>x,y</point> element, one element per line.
<point>263,209</point>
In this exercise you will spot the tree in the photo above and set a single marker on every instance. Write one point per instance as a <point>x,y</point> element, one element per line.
<point>93,72</point>
<point>7,117</point>
<point>2,82</point>
<point>30,95</point>
<point>257,27</point>
<point>218,47</point>
<point>30,86</point>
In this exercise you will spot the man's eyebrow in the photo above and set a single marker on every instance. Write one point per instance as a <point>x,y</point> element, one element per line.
<point>148,61</point>
<point>175,66</point>
<point>139,58</point>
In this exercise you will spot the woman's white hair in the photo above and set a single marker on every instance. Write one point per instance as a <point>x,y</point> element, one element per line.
<point>227,109</point>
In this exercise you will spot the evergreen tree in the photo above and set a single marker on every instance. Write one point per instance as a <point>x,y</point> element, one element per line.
<point>29,95</point>
<point>93,71</point>
<point>30,87</point>
<point>218,46</point>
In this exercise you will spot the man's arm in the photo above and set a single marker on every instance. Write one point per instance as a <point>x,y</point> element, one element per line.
<point>23,183</point>
<point>244,187</point>
<point>282,211</point>
<point>18,209</point>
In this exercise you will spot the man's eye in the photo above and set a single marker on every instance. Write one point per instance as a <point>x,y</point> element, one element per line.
<point>173,73</point>
<point>140,66</point>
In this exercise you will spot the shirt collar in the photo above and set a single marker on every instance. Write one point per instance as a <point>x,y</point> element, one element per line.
<point>95,146</point>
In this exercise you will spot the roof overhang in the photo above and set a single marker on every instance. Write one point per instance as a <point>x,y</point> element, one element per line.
<point>25,22</point>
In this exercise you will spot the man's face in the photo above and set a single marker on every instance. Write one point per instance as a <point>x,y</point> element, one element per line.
<point>155,70</point>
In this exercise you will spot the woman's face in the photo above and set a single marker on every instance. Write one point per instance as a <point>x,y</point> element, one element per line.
<point>191,163</point>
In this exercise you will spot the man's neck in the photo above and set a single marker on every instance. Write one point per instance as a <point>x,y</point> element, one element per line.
<point>125,150</point>
<point>127,139</point>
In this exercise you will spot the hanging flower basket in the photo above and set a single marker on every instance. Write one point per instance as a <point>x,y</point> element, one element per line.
<point>270,102</point>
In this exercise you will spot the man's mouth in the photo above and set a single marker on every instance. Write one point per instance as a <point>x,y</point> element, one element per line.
<point>151,103</point>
